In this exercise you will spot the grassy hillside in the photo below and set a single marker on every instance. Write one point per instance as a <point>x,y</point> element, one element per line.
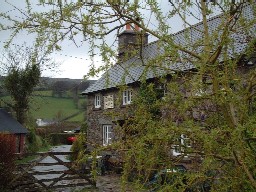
<point>53,108</point>
<point>50,107</point>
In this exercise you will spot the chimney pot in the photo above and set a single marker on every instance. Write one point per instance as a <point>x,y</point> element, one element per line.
<point>130,40</point>
<point>128,26</point>
<point>137,28</point>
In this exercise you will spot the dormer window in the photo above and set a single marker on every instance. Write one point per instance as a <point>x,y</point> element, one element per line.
<point>127,97</point>
<point>97,102</point>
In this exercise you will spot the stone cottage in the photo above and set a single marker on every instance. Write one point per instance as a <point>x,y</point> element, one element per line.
<point>115,90</point>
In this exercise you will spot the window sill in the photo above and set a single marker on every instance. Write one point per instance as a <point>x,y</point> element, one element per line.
<point>97,109</point>
<point>125,105</point>
<point>108,108</point>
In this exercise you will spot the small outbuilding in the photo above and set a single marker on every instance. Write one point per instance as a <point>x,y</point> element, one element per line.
<point>9,125</point>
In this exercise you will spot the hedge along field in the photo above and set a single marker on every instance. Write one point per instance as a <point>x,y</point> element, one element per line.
<point>47,93</point>
<point>78,118</point>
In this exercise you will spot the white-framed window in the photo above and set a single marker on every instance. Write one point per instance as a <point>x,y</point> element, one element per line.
<point>107,134</point>
<point>127,97</point>
<point>182,143</point>
<point>97,101</point>
<point>162,90</point>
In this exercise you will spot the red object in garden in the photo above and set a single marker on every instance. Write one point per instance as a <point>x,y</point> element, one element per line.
<point>71,139</point>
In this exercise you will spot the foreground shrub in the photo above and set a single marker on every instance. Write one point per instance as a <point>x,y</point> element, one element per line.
<point>79,146</point>
<point>7,158</point>
<point>36,143</point>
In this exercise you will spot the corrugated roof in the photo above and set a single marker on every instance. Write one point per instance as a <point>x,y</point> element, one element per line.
<point>9,124</point>
<point>133,69</point>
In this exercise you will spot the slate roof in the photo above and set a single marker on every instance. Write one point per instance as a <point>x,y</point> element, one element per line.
<point>133,69</point>
<point>9,124</point>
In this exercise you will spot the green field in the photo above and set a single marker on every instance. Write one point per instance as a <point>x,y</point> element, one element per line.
<point>53,108</point>
<point>50,107</point>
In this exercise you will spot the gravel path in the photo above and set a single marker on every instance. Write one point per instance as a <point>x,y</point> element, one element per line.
<point>109,183</point>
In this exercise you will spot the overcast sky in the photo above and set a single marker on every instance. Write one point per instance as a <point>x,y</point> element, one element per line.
<point>74,60</point>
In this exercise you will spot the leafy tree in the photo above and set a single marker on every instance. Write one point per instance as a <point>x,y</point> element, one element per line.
<point>213,104</point>
<point>22,69</point>
<point>20,84</point>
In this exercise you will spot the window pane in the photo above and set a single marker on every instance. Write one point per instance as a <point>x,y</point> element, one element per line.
<point>124,97</point>
<point>177,149</point>
<point>107,134</point>
<point>129,96</point>
<point>97,101</point>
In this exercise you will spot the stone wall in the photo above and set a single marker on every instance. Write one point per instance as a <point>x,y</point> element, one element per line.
<point>97,117</point>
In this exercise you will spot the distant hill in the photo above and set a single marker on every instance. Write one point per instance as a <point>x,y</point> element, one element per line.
<point>57,85</point>
<point>55,98</point>
<point>47,83</point>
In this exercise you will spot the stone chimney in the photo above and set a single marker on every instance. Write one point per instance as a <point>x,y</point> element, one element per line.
<point>130,41</point>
